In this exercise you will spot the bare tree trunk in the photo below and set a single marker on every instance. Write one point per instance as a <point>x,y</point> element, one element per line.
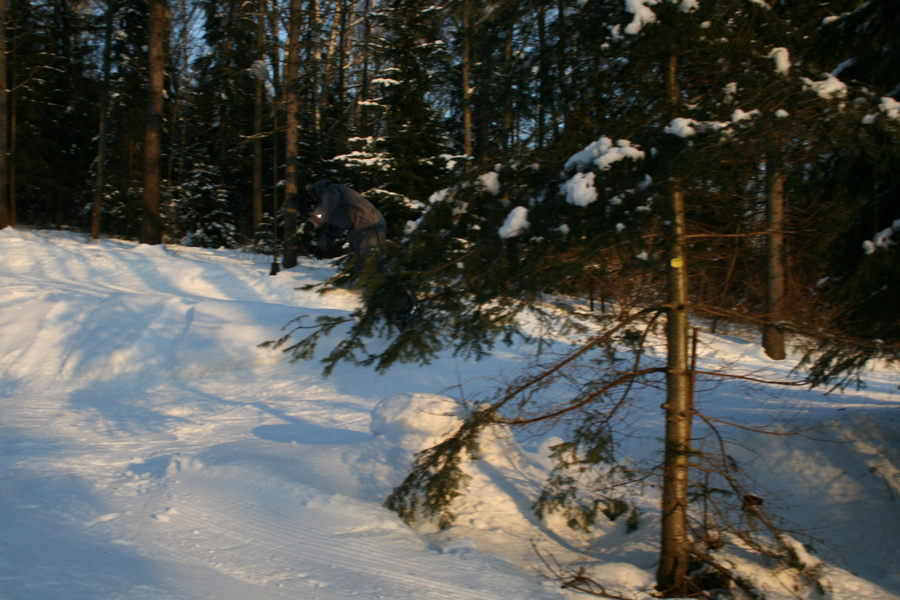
<point>4,125</point>
<point>12,107</point>
<point>333,54</point>
<point>345,39</point>
<point>363,87</point>
<point>97,207</point>
<point>258,121</point>
<point>336,77</point>
<point>274,50</point>
<point>542,78</point>
<point>675,543</point>
<point>773,336</point>
<point>671,574</point>
<point>315,51</point>
<point>559,113</point>
<point>151,232</point>
<point>466,76</point>
<point>291,137</point>
<point>508,129</point>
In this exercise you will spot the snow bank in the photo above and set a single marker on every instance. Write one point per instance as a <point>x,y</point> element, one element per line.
<point>152,451</point>
<point>415,421</point>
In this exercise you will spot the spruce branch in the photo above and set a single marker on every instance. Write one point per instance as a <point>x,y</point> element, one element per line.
<point>437,477</point>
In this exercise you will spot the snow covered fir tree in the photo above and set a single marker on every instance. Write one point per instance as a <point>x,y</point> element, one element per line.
<point>615,174</point>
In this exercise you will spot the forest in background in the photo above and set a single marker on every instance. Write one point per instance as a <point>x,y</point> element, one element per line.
<point>403,99</point>
<point>735,162</point>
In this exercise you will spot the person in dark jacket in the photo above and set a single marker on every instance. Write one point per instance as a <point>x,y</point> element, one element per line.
<point>345,212</point>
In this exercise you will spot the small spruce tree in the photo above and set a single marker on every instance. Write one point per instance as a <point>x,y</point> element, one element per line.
<point>204,212</point>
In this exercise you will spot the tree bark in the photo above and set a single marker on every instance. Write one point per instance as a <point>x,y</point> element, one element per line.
<point>96,209</point>
<point>151,226</point>
<point>4,125</point>
<point>466,77</point>
<point>675,542</point>
<point>671,574</point>
<point>361,124</point>
<point>314,53</point>
<point>773,335</point>
<point>543,85</point>
<point>291,137</point>
<point>258,121</point>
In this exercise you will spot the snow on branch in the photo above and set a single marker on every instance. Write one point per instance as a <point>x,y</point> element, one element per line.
<point>644,15</point>
<point>830,87</point>
<point>490,182</point>
<point>782,59</point>
<point>882,239</point>
<point>604,153</point>
<point>683,127</point>
<point>580,190</point>
<point>516,223</point>
<point>891,108</point>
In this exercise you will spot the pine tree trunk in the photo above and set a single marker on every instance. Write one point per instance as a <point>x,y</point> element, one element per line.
<point>508,128</point>
<point>773,336</point>
<point>361,125</point>
<point>343,63</point>
<point>671,575</point>
<point>258,121</point>
<point>151,232</point>
<point>542,76</point>
<point>291,137</point>
<point>466,77</point>
<point>96,209</point>
<point>12,145</point>
<point>4,124</point>
<point>675,543</point>
<point>314,50</point>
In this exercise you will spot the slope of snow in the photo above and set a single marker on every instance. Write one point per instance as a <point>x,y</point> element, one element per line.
<point>152,450</point>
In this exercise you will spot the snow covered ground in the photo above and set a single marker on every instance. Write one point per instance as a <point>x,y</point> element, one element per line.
<point>151,450</point>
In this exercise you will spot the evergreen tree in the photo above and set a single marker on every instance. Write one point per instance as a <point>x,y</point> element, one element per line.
<point>857,185</point>
<point>225,99</point>
<point>121,204</point>
<point>264,238</point>
<point>698,95</point>
<point>51,109</point>
<point>411,138</point>
<point>203,210</point>
<point>858,42</point>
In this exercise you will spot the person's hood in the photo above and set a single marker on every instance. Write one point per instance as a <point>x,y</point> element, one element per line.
<point>321,185</point>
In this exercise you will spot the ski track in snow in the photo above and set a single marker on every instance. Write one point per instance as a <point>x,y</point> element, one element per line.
<point>152,450</point>
<point>129,362</point>
<point>302,539</point>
